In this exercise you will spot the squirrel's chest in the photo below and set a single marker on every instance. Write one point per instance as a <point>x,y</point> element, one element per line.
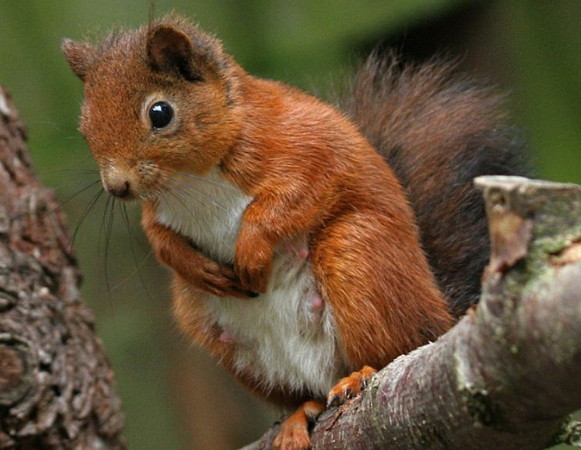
<point>206,209</point>
<point>286,336</point>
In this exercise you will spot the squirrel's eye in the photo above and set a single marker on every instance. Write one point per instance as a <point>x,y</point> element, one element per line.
<point>160,114</point>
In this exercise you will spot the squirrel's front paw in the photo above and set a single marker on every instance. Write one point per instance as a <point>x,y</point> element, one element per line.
<point>221,281</point>
<point>253,263</point>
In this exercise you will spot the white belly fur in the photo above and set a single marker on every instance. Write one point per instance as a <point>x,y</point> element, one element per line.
<point>283,337</point>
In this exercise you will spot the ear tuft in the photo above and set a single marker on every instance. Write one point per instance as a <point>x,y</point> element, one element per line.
<point>79,55</point>
<point>170,50</point>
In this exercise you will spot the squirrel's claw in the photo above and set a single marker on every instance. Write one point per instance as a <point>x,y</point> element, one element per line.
<point>350,386</point>
<point>223,282</point>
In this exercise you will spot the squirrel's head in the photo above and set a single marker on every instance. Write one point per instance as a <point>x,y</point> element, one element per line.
<point>158,100</point>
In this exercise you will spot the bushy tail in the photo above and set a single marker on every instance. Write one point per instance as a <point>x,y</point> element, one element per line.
<point>438,131</point>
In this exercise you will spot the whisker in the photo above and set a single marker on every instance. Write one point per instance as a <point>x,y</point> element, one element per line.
<point>192,189</point>
<point>90,205</point>
<point>138,265</point>
<point>106,229</point>
<point>73,170</point>
<point>207,180</point>
<point>60,203</point>
<point>67,184</point>
<point>109,227</point>
<point>132,232</point>
<point>178,190</point>
<point>136,270</point>
<point>79,192</point>
<point>183,203</point>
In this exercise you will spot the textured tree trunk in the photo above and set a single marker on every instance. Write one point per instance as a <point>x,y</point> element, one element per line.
<point>56,386</point>
<point>509,372</point>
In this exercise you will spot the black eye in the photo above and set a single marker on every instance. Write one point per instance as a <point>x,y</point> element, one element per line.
<point>160,114</point>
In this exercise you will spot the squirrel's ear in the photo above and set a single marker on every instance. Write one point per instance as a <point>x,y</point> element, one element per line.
<point>170,50</point>
<point>80,56</point>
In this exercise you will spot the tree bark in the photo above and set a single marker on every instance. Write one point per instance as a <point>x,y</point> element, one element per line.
<point>56,386</point>
<point>507,375</point>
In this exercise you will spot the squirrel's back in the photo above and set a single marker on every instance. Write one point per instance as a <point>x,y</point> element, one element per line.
<point>439,130</point>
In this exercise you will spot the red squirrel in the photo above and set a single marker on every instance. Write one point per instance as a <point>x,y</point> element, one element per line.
<point>296,254</point>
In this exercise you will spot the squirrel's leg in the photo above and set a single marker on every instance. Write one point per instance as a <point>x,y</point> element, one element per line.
<point>294,430</point>
<point>385,302</point>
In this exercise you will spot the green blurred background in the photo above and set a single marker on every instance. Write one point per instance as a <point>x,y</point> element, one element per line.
<point>174,396</point>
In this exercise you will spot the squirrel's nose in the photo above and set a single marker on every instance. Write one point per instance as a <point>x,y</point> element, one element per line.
<point>122,190</point>
<point>117,183</point>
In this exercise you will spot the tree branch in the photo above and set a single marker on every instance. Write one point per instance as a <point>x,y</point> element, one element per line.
<point>56,387</point>
<point>508,373</point>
